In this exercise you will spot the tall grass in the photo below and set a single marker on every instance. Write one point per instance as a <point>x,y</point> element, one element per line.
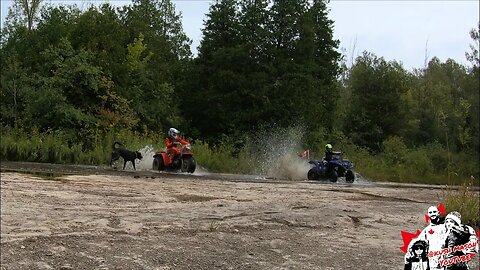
<point>16,145</point>
<point>466,201</point>
<point>429,164</point>
<point>221,158</point>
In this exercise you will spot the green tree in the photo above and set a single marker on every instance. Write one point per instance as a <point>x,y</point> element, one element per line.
<point>162,29</point>
<point>473,56</point>
<point>253,19</point>
<point>220,77</point>
<point>167,52</point>
<point>260,63</point>
<point>377,105</point>
<point>319,53</point>
<point>473,89</point>
<point>444,101</point>
<point>305,64</point>
<point>24,13</point>
<point>100,31</point>
<point>30,10</point>
<point>14,88</point>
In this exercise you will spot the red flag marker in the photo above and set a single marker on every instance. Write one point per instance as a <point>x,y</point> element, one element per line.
<point>305,153</point>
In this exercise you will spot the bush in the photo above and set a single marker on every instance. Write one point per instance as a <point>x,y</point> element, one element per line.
<point>430,164</point>
<point>394,151</point>
<point>466,201</point>
<point>220,158</point>
<point>54,147</point>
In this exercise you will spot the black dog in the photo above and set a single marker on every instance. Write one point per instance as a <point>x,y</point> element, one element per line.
<point>125,154</point>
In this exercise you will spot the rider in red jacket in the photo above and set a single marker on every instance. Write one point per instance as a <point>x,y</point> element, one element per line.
<point>171,142</point>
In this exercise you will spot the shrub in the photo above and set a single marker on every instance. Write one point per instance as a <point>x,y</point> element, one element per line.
<point>466,201</point>
<point>430,164</point>
<point>394,151</point>
<point>220,158</point>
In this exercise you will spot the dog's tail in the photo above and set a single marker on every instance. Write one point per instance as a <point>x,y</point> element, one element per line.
<point>115,143</point>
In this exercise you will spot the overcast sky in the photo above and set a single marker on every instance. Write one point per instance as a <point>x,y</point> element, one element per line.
<point>405,31</point>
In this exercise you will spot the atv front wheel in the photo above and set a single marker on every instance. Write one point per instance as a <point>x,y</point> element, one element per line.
<point>333,176</point>
<point>313,174</point>
<point>158,164</point>
<point>188,165</point>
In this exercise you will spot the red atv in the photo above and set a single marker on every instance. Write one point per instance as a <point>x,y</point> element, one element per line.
<point>182,160</point>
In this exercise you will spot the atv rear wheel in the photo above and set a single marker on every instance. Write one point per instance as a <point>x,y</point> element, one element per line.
<point>158,164</point>
<point>313,174</point>
<point>188,165</point>
<point>333,176</point>
<point>349,176</point>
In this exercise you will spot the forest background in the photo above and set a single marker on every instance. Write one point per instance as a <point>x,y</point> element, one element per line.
<point>72,81</point>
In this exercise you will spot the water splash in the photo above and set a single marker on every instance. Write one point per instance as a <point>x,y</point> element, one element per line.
<point>146,163</point>
<point>201,171</point>
<point>278,150</point>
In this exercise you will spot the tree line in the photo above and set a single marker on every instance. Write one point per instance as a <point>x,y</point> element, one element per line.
<point>260,64</point>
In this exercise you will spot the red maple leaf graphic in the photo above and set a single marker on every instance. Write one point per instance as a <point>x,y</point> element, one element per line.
<point>441,209</point>
<point>478,233</point>
<point>407,238</point>
<point>431,231</point>
<point>427,219</point>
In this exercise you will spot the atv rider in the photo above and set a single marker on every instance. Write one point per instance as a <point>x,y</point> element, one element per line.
<point>329,153</point>
<point>171,142</point>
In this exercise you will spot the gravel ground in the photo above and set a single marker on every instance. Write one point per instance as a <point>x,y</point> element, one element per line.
<point>85,217</point>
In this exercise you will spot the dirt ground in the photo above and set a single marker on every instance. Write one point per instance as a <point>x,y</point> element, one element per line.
<point>111,220</point>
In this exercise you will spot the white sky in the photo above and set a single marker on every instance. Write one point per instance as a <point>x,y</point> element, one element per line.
<point>406,31</point>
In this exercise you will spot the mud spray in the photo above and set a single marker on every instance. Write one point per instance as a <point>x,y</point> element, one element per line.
<point>278,151</point>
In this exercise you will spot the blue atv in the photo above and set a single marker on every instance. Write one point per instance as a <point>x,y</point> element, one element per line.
<point>336,167</point>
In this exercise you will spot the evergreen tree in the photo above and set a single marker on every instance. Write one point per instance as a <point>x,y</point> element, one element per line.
<point>212,102</point>
<point>304,63</point>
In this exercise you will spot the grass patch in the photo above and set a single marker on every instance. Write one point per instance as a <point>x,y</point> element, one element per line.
<point>222,160</point>
<point>466,201</point>
<point>431,164</point>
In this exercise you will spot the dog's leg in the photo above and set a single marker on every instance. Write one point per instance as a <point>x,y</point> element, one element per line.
<point>114,157</point>
<point>133,162</point>
<point>124,164</point>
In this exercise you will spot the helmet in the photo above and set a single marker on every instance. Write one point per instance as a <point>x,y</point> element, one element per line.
<point>328,147</point>
<point>173,132</point>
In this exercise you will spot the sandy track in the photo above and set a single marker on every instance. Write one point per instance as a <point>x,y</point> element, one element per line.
<point>132,221</point>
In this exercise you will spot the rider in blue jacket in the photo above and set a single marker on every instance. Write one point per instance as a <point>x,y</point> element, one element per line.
<point>329,155</point>
<point>328,152</point>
